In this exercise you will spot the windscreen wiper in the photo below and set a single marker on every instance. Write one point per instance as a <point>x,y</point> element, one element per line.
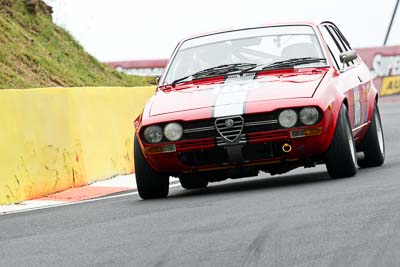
<point>217,70</point>
<point>290,63</point>
<point>224,69</point>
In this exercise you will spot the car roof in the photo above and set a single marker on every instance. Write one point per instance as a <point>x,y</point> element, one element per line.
<point>271,24</point>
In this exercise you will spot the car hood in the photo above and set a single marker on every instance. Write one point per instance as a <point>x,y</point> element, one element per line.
<point>235,92</point>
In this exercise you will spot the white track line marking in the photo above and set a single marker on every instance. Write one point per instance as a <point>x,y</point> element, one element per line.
<point>79,202</point>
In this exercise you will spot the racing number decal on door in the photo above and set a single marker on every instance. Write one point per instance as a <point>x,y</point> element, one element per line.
<point>360,101</point>
<point>357,107</point>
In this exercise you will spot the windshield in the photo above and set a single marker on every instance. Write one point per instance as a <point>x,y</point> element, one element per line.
<point>259,46</point>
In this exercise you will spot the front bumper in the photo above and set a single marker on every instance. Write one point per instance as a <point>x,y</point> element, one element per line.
<point>258,150</point>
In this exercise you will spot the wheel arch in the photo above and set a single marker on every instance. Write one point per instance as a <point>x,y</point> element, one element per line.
<point>340,100</point>
<point>374,98</point>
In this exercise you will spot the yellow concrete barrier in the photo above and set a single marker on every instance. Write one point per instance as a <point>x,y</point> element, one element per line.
<point>52,139</point>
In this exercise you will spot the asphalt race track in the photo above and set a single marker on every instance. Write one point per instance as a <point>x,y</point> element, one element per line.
<point>302,218</point>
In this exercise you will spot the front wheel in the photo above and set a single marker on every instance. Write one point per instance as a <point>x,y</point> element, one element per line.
<point>373,143</point>
<point>340,158</point>
<point>150,184</point>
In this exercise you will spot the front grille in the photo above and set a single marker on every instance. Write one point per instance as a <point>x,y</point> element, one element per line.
<point>251,123</point>
<point>199,129</point>
<point>203,157</point>
<point>230,128</point>
<point>222,142</point>
<point>214,137</point>
<point>263,151</point>
<point>261,122</point>
<point>219,155</point>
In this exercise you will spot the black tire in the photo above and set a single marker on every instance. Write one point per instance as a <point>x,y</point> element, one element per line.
<point>373,144</point>
<point>340,158</point>
<point>150,184</point>
<point>192,183</point>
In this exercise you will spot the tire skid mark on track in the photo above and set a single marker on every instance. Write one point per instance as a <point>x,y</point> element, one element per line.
<point>255,250</point>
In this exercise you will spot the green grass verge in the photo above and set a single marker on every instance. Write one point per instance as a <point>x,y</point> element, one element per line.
<point>34,52</point>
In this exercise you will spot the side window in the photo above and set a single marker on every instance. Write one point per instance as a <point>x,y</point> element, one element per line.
<point>333,45</point>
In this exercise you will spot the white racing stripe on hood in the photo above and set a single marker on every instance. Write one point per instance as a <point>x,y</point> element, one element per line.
<point>231,97</point>
<point>230,104</point>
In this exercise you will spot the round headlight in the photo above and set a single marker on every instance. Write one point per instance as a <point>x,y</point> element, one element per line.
<point>153,134</point>
<point>173,131</point>
<point>288,118</point>
<point>309,116</point>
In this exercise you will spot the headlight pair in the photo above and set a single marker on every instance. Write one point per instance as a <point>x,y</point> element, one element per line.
<point>172,132</point>
<point>307,116</point>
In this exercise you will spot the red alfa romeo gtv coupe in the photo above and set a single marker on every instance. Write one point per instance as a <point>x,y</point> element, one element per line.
<point>270,98</point>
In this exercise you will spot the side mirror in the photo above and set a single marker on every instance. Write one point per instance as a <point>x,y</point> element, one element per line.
<point>348,56</point>
<point>155,80</point>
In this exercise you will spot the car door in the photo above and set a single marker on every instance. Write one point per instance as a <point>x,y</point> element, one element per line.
<point>353,80</point>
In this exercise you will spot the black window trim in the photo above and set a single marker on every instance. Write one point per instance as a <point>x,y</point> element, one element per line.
<point>345,45</point>
<point>339,42</point>
<point>336,27</point>
<point>335,31</point>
